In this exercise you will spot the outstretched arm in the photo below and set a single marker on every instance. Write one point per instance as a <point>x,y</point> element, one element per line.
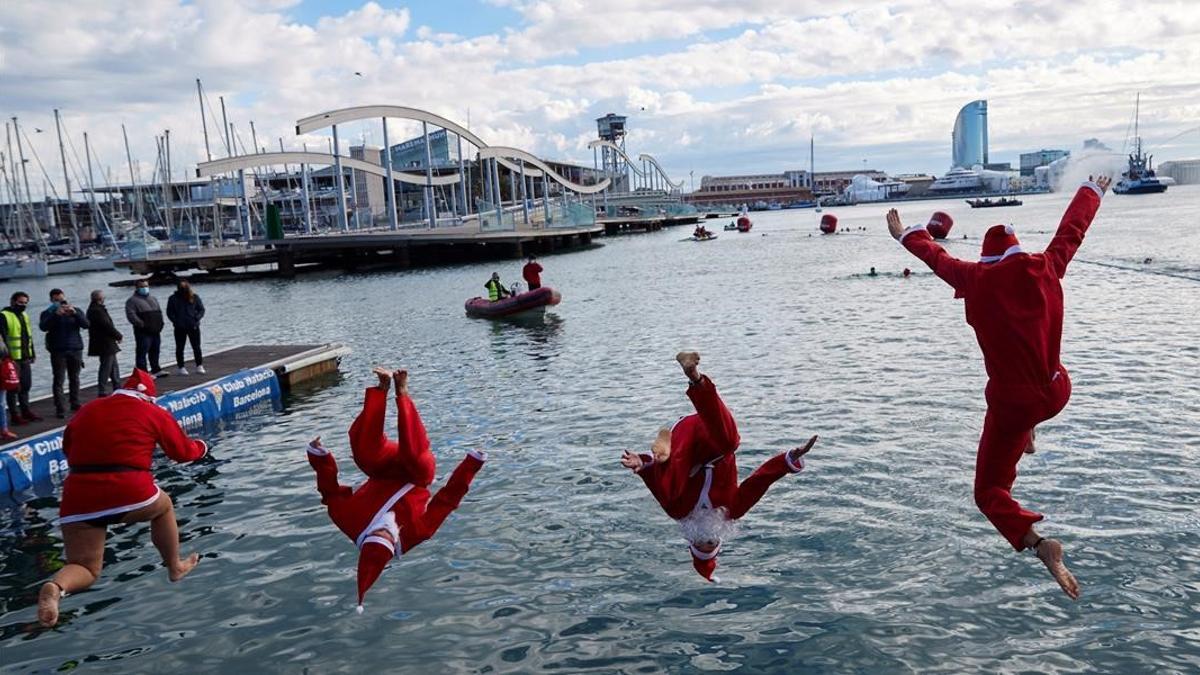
<point>1075,223</point>
<point>174,442</point>
<point>753,488</point>
<point>957,273</point>
<point>444,502</point>
<point>325,465</point>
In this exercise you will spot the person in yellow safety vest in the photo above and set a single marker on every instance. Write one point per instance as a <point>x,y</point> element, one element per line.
<point>496,290</point>
<point>18,339</point>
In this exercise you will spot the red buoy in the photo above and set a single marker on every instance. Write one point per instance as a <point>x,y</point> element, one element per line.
<point>939,224</point>
<point>744,224</point>
<point>828,223</point>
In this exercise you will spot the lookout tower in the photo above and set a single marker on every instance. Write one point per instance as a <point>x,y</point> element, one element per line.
<point>611,128</point>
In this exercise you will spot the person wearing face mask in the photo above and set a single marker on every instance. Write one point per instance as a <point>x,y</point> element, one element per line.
<point>692,471</point>
<point>62,322</point>
<point>18,337</point>
<point>185,309</point>
<point>143,312</point>
<point>104,341</point>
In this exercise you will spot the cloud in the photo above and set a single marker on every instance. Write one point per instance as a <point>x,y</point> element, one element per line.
<point>712,86</point>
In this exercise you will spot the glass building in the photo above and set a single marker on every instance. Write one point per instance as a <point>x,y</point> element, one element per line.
<point>971,135</point>
<point>443,150</point>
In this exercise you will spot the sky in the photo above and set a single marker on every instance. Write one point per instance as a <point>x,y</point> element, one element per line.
<point>711,87</point>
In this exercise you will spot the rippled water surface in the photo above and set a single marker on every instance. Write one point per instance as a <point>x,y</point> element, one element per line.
<point>873,559</point>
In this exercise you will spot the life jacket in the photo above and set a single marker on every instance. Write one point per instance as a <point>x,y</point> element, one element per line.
<point>493,289</point>
<point>16,339</point>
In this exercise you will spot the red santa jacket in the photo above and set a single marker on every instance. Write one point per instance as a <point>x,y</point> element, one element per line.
<point>1015,304</point>
<point>109,445</point>
<point>532,273</point>
<point>702,463</point>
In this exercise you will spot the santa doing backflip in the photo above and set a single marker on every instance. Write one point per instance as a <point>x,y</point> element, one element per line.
<point>1014,301</point>
<point>392,511</point>
<point>692,472</point>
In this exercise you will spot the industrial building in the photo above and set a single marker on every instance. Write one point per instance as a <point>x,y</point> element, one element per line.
<point>1032,160</point>
<point>1185,171</point>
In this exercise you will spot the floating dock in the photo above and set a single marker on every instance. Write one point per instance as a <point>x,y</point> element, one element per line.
<point>239,379</point>
<point>417,247</point>
<point>630,224</point>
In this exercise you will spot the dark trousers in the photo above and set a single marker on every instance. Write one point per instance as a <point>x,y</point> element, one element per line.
<point>18,401</point>
<point>110,373</point>
<point>182,335</point>
<point>66,365</point>
<point>148,345</point>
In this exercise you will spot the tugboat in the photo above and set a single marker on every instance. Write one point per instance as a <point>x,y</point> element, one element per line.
<point>1139,178</point>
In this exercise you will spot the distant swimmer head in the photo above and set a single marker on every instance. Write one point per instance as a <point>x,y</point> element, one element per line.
<point>873,272</point>
<point>907,272</point>
<point>939,225</point>
<point>999,243</point>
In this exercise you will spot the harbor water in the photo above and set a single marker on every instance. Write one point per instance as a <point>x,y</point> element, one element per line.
<point>874,559</point>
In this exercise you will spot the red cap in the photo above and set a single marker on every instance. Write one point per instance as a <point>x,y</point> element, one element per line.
<point>828,223</point>
<point>372,558</point>
<point>939,224</point>
<point>141,382</point>
<point>999,243</point>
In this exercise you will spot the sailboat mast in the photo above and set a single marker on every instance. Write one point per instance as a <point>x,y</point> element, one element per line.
<point>168,192</point>
<point>35,230</point>
<point>137,192</point>
<point>67,183</point>
<point>812,177</point>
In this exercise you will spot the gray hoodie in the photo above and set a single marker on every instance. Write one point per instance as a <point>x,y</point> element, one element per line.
<point>144,313</point>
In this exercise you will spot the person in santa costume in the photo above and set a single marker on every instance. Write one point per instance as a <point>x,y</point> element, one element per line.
<point>1014,301</point>
<point>109,444</point>
<point>392,511</point>
<point>692,472</point>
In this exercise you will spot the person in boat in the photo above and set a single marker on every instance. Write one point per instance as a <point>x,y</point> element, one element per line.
<point>1014,301</point>
<point>109,445</point>
<point>496,290</point>
<point>692,472</point>
<point>532,273</point>
<point>392,511</point>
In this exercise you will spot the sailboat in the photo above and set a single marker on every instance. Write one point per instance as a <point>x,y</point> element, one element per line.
<point>1139,178</point>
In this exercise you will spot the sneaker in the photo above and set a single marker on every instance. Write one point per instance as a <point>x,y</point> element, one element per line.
<point>201,370</point>
<point>7,435</point>
<point>181,371</point>
<point>159,373</point>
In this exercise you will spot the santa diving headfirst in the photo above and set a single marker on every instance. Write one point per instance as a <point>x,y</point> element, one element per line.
<point>692,472</point>
<point>1014,301</point>
<point>392,511</point>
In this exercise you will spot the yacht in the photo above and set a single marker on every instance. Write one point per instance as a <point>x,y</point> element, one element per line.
<point>957,180</point>
<point>1139,178</point>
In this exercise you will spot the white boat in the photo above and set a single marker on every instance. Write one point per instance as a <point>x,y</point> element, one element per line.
<point>22,267</point>
<point>81,263</point>
<point>957,180</point>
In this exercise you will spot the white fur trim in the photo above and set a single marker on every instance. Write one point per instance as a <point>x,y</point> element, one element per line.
<point>1011,250</point>
<point>1008,229</point>
<point>1095,188</point>
<point>316,450</point>
<point>204,445</point>
<point>480,455</point>
<point>373,539</point>
<point>381,519</point>
<point>910,230</point>
<point>135,394</point>
<point>796,468</point>
<point>359,609</point>
<point>701,555</point>
<point>113,511</point>
<point>715,579</point>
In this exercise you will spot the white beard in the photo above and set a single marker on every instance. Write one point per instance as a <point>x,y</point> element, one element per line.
<point>707,526</point>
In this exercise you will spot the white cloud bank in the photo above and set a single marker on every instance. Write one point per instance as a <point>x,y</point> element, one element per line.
<point>875,81</point>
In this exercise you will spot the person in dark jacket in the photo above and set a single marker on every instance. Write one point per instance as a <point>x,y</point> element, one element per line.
<point>146,316</point>
<point>18,337</point>
<point>61,322</point>
<point>104,341</point>
<point>185,310</point>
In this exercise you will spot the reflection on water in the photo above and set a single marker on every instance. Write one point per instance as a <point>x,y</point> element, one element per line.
<point>874,559</point>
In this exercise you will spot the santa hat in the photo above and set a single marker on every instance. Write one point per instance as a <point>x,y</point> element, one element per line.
<point>939,224</point>
<point>141,382</point>
<point>999,243</point>
<point>705,562</point>
<point>374,555</point>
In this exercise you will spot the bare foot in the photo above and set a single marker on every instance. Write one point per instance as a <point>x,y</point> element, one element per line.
<point>385,377</point>
<point>1031,448</point>
<point>181,567</point>
<point>401,378</point>
<point>690,362</point>
<point>48,599</point>
<point>1050,551</point>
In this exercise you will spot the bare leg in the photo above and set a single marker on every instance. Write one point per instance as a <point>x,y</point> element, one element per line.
<point>84,546</point>
<point>164,532</point>
<point>1030,448</point>
<point>1050,552</point>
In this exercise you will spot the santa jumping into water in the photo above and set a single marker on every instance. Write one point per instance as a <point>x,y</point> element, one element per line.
<point>1014,301</point>
<point>392,511</point>
<point>692,472</point>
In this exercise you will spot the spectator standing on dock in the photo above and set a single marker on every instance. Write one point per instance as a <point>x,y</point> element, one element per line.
<point>109,446</point>
<point>18,337</point>
<point>146,316</point>
<point>62,322</point>
<point>103,341</point>
<point>7,369</point>
<point>532,273</point>
<point>185,310</point>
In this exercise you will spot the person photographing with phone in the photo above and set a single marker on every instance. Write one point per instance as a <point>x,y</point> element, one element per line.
<point>61,322</point>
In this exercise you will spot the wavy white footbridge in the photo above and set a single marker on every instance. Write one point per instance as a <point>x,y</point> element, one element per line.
<point>519,163</point>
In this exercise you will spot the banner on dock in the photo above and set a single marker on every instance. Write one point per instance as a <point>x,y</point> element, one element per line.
<point>40,459</point>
